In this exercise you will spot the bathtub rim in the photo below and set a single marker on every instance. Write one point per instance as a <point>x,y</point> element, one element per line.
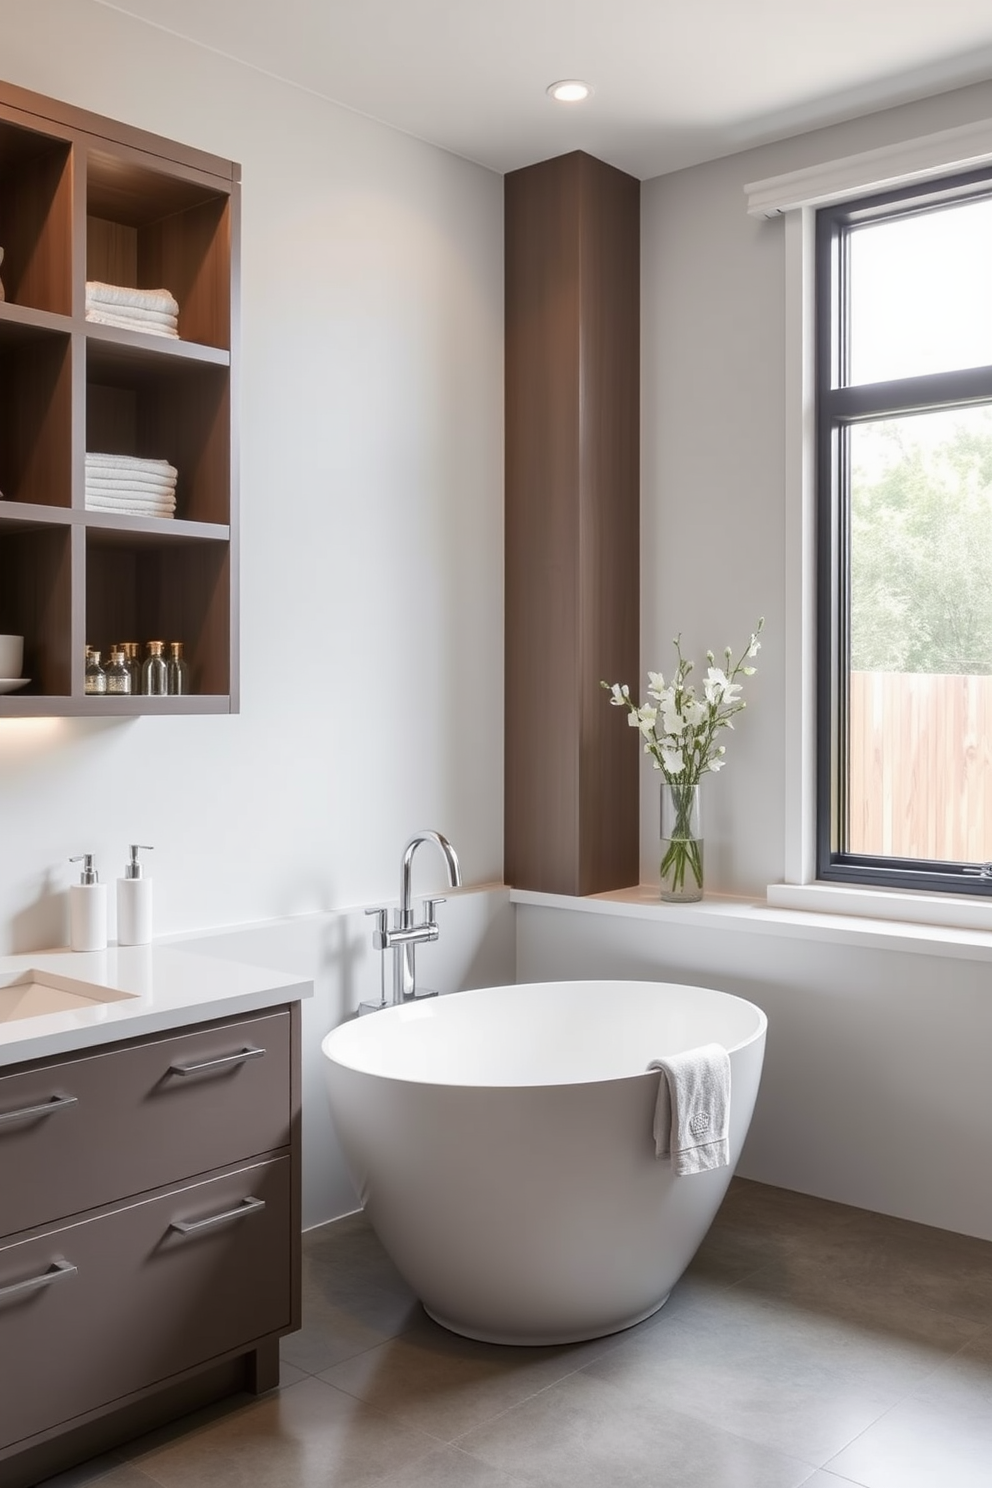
<point>345,1033</point>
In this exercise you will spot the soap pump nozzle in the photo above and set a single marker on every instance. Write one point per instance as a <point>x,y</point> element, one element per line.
<point>132,869</point>
<point>89,874</point>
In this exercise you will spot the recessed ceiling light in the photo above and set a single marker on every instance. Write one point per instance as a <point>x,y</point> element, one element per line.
<point>569,91</point>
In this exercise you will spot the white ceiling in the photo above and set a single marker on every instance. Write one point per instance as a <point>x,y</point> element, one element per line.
<point>676,81</point>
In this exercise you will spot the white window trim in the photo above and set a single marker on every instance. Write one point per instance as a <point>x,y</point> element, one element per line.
<point>795,197</point>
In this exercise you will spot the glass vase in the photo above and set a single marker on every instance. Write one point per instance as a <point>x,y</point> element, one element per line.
<point>681,871</point>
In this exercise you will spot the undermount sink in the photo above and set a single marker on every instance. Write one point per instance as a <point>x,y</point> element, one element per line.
<point>35,993</point>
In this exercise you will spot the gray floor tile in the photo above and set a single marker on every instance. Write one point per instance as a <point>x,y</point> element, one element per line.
<point>450,1467</point>
<point>445,1384</point>
<point>750,1370</point>
<point>816,1249</point>
<point>583,1433</point>
<point>921,1444</point>
<point>308,1434</point>
<point>823,1479</point>
<point>964,1383</point>
<point>353,1297</point>
<point>849,1336</point>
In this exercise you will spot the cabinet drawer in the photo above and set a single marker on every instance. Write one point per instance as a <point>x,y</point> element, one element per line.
<point>89,1130</point>
<point>138,1299</point>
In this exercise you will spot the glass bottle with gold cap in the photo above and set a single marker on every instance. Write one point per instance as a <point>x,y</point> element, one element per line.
<point>132,654</point>
<point>178,670</point>
<point>154,671</point>
<point>118,674</point>
<point>96,677</point>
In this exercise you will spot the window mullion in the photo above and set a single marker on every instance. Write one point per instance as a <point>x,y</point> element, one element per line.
<point>907,395</point>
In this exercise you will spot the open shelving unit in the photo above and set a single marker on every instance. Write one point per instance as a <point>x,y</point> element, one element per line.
<point>84,198</point>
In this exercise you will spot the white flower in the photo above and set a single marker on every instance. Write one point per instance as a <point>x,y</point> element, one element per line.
<point>715,685</point>
<point>619,696</point>
<point>694,712</point>
<point>644,719</point>
<point>672,760</point>
<point>716,764</point>
<point>754,648</point>
<point>656,684</point>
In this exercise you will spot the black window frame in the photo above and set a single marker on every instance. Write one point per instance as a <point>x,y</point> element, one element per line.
<point>837,408</point>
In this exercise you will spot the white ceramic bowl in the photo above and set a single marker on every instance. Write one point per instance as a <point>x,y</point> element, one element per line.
<point>11,655</point>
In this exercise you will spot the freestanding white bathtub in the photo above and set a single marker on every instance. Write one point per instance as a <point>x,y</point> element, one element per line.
<point>501,1144</point>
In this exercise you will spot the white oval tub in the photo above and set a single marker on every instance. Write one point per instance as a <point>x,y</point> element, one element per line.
<point>501,1144</point>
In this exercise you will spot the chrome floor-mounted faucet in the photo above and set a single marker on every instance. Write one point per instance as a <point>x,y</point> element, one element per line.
<point>404,937</point>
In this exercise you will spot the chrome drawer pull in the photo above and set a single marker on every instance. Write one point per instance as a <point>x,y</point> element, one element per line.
<point>56,1273</point>
<point>209,1064</point>
<point>191,1226</point>
<point>57,1103</point>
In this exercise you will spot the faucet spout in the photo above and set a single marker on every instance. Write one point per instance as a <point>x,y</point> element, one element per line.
<point>406,873</point>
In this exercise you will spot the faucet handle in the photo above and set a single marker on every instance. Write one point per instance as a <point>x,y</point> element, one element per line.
<point>379,934</point>
<point>430,907</point>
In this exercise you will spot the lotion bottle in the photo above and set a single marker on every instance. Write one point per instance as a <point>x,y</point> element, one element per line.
<point>134,902</point>
<point>87,908</point>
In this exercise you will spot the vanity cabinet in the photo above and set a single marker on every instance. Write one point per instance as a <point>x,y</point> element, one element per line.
<point>84,198</point>
<point>150,1218</point>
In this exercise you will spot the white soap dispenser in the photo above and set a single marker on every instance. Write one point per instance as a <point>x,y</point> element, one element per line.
<point>87,909</point>
<point>134,902</point>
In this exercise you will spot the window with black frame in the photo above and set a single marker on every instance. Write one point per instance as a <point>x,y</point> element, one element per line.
<point>904,538</point>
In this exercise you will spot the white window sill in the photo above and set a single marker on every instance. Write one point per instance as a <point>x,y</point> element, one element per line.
<point>867,918</point>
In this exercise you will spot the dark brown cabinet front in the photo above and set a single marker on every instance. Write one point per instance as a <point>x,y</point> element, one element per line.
<point>93,1311</point>
<point>129,1120</point>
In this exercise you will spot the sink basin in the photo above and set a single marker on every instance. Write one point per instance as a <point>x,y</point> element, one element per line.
<point>35,993</point>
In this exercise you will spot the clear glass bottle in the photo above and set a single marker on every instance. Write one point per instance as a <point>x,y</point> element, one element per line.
<point>178,670</point>
<point>96,677</point>
<point>154,672</point>
<point>132,652</point>
<point>118,674</point>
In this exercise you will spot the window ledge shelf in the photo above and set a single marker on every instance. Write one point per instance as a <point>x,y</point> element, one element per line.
<point>811,915</point>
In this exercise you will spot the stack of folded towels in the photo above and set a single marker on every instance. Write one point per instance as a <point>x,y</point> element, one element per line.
<point>153,311</point>
<point>130,486</point>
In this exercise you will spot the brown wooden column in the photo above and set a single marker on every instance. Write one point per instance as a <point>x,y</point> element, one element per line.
<point>572,228</point>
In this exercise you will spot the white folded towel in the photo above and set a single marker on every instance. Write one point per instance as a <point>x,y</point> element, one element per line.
<point>692,1114</point>
<point>125,323</point>
<point>130,498</point>
<point>108,486</point>
<point>137,465</point>
<point>133,312</point>
<point>122,294</point>
<point>129,508</point>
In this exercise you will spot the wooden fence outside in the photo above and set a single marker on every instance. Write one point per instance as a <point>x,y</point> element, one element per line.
<point>920,754</point>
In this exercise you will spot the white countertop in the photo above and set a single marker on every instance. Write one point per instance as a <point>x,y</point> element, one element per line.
<point>165,987</point>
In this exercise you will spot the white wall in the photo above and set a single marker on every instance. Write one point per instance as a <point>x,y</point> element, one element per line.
<point>371,517</point>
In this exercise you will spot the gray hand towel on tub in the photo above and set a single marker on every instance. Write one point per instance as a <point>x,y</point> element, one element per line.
<point>692,1114</point>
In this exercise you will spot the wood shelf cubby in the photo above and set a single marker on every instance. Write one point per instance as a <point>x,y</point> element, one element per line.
<point>35,414</point>
<point>85,198</point>
<point>36,217</point>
